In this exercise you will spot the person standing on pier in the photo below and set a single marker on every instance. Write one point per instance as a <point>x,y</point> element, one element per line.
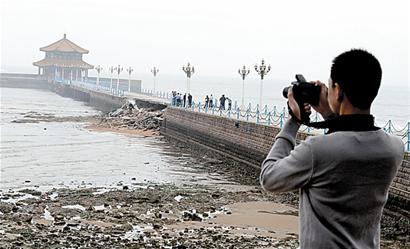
<point>222,102</point>
<point>229,103</point>
<point>189,100</point>
<point>184,100</point>
<point>206,101</point>
<point>178,99</point>
<point>344,175</point>
<point>174,98</point>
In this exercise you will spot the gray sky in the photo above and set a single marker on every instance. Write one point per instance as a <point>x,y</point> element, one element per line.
<point>216,36</point>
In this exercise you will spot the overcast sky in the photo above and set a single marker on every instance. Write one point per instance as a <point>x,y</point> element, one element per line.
<point>216,36</point>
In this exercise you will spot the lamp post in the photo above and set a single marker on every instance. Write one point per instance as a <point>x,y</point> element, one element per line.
<point>262,70</point>
<point>129,71</point>
<point>189,70</point>
<point>154,71</point>
<point>244,72</point>
<point>118,70</point>
<point>111,71</point>
<point>99,69</point>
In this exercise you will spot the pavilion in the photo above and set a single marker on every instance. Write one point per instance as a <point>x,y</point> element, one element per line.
<point>63,61</point>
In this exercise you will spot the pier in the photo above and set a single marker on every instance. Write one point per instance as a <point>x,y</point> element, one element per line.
<point>241,135</point>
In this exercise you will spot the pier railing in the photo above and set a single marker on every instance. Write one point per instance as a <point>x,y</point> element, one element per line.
<point>93,87</point>
<point>267,116</point>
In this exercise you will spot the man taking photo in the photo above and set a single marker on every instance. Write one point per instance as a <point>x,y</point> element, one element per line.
<point>343,176</point>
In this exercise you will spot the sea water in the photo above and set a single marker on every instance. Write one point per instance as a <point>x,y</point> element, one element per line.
<point>69,154</point>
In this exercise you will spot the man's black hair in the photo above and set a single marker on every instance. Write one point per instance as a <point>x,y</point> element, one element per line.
<point>359,74</point>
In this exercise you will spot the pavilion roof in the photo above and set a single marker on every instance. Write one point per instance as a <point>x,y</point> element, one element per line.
<point>64,45</point>
<point>48,62</point>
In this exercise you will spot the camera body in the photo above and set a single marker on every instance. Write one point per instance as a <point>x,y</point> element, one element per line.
<point>303,92</point>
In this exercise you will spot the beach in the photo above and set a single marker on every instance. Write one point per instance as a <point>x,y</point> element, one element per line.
<point>69,180</point>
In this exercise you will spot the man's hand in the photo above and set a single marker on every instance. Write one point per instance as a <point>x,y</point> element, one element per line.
<point>293,105</point>
<point>323,107</point>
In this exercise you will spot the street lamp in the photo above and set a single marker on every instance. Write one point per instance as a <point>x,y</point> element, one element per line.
<point>118,70</point>
<point>244,72</point>
<point>188,71</point>
<point>111,69</point>
<point>99,69</point>
<point>129,71</point>
<point>262,70</point>
<point>154,71</point>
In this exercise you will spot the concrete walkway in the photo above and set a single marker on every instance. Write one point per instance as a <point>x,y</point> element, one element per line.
<point>147,98</point>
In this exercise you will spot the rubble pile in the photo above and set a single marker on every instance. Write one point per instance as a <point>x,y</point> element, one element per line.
<point>129,116</point>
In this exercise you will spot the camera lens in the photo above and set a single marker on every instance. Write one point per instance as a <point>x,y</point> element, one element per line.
<point>285,91</point>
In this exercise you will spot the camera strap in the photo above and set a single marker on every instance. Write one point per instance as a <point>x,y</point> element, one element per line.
<point>353,122</point>
<point>294,117</point>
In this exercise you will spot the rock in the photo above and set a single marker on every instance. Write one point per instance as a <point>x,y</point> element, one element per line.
<point>59,223</point>
<point>191,216</point>
<point>118,215</point>
<point>30,191</point>
<point>6,208</point>
<point>73,223</point>
<point>58,217</point>
<point>23,217</point>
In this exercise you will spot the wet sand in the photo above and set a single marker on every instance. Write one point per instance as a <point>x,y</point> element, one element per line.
<point>124,131</point>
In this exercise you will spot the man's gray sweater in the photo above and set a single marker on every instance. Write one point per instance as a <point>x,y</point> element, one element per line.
<point>343,179</point>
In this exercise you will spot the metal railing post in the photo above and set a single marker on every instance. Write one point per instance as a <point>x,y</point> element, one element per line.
<point>408,136</point>
<point>281,120</point>
<point>269,118</point>
<point>257,116</point>
<point>238,113</point>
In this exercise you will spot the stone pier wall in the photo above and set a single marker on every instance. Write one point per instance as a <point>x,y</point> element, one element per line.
<point>101,101</point>
<point>249,143</point>
<point>243,141</point>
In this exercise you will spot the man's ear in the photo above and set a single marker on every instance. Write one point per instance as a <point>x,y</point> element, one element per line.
<point>339,92</point>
